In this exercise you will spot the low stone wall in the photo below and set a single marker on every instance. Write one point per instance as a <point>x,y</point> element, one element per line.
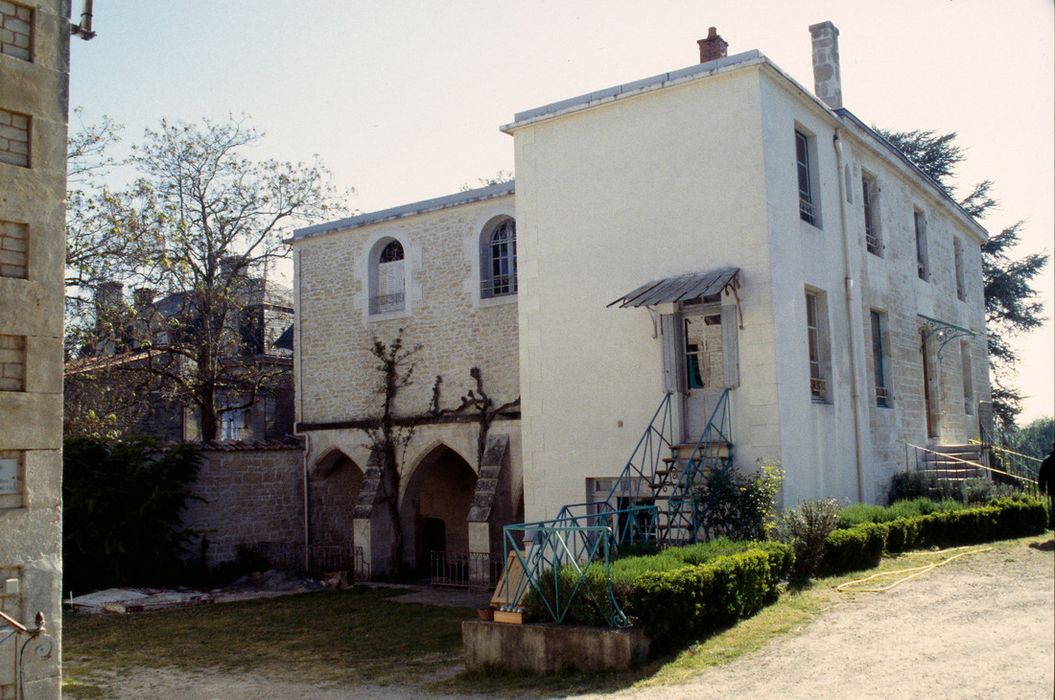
<point>550,648</point>
<point>251,494</point>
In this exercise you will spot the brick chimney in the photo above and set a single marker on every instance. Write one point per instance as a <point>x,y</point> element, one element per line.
<point>713,47</point>
<point>827,83</point>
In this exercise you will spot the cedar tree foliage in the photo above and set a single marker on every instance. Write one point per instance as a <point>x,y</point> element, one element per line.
<point>1011,303</point>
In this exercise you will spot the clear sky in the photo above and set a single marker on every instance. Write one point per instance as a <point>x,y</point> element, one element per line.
<point>402,100</point>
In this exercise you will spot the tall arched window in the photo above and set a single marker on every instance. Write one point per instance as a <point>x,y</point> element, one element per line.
<point>387,293</point>
<point>498,264</point>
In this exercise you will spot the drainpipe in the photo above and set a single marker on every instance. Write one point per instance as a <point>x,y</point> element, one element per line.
<point>850,322</point>
<point>298,389</point>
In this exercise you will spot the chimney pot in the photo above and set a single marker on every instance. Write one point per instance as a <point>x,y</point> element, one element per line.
<point>713,47</point>
<point>827,80</point>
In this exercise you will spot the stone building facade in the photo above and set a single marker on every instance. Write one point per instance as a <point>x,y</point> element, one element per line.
<point>34,79</point>
<point>412,274</point>
<point>773,254</point>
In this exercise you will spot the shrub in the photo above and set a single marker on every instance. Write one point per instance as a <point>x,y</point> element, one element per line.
<point>858,513</point>
<point>805,527</point>
<point>738,506</point>
<point>669,598</point>
<point>911,485</point>
<point>859,547</point>
<point>121,511</point>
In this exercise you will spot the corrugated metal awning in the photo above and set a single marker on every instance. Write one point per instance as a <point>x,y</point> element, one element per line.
<point>688,287</point>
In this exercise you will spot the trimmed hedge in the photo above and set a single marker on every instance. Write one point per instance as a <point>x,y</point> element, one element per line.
<point>862,546</point>
<point>680,593</point>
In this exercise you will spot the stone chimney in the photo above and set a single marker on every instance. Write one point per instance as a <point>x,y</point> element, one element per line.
<point>713,47</point>
<point>827,83</point>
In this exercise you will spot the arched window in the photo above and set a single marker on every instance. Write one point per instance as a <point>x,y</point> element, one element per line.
<point>498,264</point>
<point>387,288</point>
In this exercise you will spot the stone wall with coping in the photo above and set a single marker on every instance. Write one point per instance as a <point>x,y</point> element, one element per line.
<point>248,495</point>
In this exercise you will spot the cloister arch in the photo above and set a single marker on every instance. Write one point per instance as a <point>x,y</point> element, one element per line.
<point>435,507</point>
<point>333,487</point>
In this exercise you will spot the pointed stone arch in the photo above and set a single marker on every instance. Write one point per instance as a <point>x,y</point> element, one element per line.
<point>434,510</point>
<point>334,481</point>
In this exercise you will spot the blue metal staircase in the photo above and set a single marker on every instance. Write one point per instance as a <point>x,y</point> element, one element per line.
<point>651,502</point>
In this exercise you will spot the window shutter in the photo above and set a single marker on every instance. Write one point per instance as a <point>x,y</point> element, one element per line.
<point>730,347</point>
<point>671,342</point>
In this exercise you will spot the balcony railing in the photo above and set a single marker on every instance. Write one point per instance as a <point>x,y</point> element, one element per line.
<point>818,388</point>
<point>806,210</point>
<point>882,397</point>
<point>386,303</point>
<point>472,570</point>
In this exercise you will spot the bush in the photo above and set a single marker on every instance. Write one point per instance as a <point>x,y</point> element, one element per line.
<point>738,506</point>
<point>856,548</point>
<point>121,511</point>
<point>805,527</point>
<point>911,485</point>
<point>858,513</point>
<point>861,546</point>
<point>669,598</point>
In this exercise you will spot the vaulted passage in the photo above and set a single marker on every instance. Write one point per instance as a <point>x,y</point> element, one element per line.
<point>333,488</point>
<point>436,507</point>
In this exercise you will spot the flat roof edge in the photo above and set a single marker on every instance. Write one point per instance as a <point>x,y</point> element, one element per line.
<point>479,194</point>
<point>636,87</point>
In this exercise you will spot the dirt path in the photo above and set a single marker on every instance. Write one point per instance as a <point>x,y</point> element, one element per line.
<point>982,626</point>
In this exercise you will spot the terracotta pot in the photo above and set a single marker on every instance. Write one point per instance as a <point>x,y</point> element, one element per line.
<point>486,614</point>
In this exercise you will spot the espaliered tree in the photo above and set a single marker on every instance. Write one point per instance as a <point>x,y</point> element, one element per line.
<point>200,225</point>
<point>1011,303</point>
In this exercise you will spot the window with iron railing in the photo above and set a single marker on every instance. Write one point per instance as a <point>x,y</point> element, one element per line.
<point>388,284</point>
<point>817,343</point>
<point>869,199</point>
<point>879,360</point>
<point>499,261</point>
<point>957,259</point>
<point>920,224</point>
<point>807,208</point>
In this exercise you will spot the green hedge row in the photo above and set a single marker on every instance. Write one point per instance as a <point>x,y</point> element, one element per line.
<point>677,605</point>
<point>677,594</point>
<point>862,546</point>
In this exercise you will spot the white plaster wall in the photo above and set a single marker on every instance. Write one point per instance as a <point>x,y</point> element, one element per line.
<point>609,198</point>
<point>817,440</point>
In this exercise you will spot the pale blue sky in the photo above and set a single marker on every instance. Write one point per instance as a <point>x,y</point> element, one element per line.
<point>402,100</point>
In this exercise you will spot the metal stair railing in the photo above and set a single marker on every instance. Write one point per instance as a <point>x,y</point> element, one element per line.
<point>556,554</point>
<point>1023,482</point>
<point>682,515</point>
<point>1016,463</point>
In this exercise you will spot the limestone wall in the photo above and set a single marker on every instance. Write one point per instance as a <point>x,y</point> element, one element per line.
<point>250,495</point>
<point>34,75</point>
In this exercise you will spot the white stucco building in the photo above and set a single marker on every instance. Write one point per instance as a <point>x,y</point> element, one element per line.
<point>757,237</point>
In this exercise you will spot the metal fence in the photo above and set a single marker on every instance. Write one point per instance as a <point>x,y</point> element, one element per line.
<point>322,559</point>
<point>472,570</point>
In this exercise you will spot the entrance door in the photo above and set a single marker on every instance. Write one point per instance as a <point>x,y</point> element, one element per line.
<point>701,367</point>
<point>929,402</point>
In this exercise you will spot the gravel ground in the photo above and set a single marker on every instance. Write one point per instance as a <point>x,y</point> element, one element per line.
<point>982,626</point>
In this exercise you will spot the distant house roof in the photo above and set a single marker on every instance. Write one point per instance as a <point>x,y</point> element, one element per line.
<point>500,189</point>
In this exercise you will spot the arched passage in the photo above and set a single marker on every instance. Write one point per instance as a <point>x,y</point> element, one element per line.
<point>333,487</point>
<point>436,507</point>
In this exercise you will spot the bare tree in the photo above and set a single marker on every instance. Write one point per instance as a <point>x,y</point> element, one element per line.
<point>202,226</point>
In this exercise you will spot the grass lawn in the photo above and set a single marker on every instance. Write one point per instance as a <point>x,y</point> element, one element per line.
<point>345,636</point>
<point>361,636</point>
